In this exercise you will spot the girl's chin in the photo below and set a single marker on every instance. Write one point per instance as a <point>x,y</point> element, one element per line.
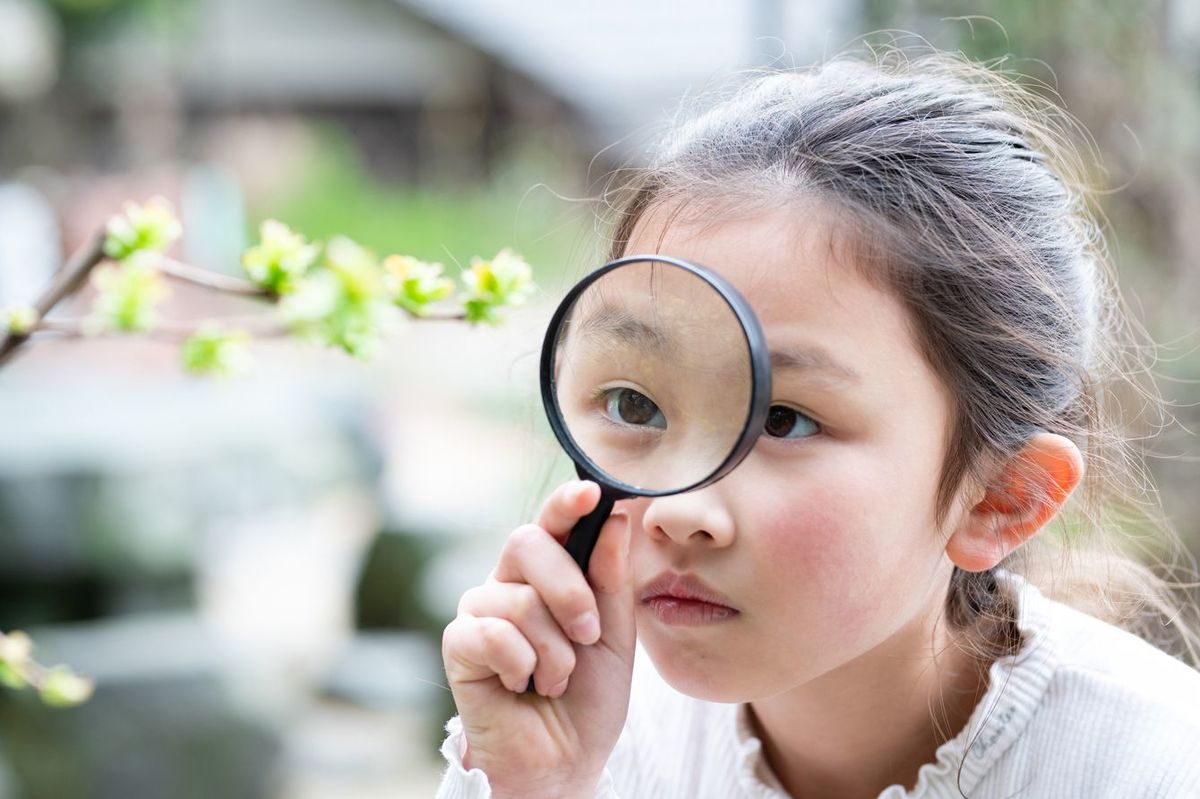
<point>692,672</point>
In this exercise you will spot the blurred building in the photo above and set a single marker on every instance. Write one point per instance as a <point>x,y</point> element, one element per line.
<point>428,87</point>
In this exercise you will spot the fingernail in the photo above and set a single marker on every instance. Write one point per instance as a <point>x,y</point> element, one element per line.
<point>585,629</point>
<point>558,690</point>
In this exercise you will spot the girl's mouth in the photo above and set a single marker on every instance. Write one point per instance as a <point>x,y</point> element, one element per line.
<point>684,599</point>
<point>673,610</point>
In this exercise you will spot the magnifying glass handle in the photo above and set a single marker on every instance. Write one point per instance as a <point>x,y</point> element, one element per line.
<point>583,536</point>
<point>586,532</point>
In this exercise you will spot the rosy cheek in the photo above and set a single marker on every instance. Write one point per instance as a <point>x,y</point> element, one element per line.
<point>822,558</point>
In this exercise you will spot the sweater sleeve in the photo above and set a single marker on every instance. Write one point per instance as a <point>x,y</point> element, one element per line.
<point>459,783</point>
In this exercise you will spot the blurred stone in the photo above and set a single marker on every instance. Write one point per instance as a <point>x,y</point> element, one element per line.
<point>120,480</point>
<point>161,723</point>
<point>388,671</point>
<point>276,591</point>
<point>30,244</point>
<point>334,749</point>
<point>214,215</point>
<point>29,45</point>
<point>8,784</point>
<point>387,593</point>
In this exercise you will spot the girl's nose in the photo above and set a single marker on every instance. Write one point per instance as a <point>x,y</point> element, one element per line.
<point>695,517</point>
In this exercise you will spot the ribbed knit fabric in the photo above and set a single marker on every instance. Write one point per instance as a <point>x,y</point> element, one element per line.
<point>1083,710</point>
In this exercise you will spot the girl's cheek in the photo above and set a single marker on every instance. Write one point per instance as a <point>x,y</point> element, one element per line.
<point>823,558</point>
<point>820,534</point>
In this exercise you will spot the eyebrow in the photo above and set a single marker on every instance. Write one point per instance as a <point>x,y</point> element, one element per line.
<point>813,359</point>
<point>624,327</point>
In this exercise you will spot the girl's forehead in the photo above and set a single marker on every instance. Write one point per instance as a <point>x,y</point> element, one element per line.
<point>791,264</point>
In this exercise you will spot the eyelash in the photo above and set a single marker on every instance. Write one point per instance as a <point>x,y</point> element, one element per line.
<point>819,428</point>
<point>600,399</point>
<point>600,396</point>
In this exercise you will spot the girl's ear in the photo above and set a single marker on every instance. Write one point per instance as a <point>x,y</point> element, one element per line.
<point>1026,494</point>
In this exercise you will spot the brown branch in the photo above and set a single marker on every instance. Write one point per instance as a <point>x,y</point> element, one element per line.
<point>66,281</point>
<point>73,274</point>
<point>440,317</point>
<point>211,280</point>
<point>173,331</point>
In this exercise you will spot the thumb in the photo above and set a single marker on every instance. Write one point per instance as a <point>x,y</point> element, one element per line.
<point>611,577</point>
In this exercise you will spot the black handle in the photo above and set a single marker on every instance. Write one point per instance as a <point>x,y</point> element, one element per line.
<point>583,536</point>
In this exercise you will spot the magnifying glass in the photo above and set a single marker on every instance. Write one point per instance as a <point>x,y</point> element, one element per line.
<point>656,380</point>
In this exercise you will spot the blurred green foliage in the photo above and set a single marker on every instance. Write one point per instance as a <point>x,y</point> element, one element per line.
<point>448,224</point>
<point>88,20</point>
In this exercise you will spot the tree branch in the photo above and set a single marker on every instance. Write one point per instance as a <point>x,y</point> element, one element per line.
<point>66,281</point>
<point>262,326</point>
<point>211,280</point>
<point>440,317</point>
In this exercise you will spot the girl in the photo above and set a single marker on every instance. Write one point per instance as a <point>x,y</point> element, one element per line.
<point>877,622</point>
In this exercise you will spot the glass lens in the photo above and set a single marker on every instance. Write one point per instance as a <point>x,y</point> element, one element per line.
<point>653,376</point>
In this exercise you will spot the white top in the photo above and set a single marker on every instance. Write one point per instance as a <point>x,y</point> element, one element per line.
<point>1083,710</point>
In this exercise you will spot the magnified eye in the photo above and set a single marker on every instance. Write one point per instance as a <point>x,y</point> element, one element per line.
<point>785,422</point>
<point>633,408</point>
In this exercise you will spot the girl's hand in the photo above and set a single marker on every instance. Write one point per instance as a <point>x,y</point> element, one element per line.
<point>522,621</point>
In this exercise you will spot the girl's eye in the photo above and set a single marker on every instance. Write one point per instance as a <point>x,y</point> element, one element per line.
<point>785,422</point>
<point>633,408</point>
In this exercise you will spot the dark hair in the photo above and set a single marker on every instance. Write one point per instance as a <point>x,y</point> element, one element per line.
<point>963,196</point>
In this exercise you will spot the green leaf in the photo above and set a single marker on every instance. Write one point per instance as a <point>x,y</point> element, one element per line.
<point>127,294</point>
<point>415,285</point>
<point>344,304</point>
<point>211,351</point>
<point>356,268</point>
<point>19,319</point>
<point>148,227</point>
<point>10,676</point>
<point>491,285</point>
<point>61,687</point>
<point>280,258</point>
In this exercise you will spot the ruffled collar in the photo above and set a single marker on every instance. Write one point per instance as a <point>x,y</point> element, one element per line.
<point>1016,684</point>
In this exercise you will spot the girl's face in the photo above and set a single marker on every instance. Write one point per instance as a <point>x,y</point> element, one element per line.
<point>824,537</point>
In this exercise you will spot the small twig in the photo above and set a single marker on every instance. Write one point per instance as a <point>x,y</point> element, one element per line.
<point>441,317</point>
<point>211,280</point>
<point>169,330</point>
<point>65,282</point>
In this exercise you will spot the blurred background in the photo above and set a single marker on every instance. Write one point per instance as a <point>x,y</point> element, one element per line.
<point>257,572</point>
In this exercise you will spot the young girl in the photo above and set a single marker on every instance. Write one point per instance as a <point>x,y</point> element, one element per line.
<point>882,621</point>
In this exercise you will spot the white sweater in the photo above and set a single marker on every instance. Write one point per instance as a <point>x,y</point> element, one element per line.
<point>1083,710</point>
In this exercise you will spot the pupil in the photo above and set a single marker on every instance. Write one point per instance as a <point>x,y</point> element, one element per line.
<point>636,408</point>
<point>780,421</point>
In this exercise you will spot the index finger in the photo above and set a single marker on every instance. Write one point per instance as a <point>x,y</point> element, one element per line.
<point>569,503</point>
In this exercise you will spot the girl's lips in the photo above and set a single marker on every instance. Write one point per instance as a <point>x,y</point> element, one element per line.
<point>672,585</point>
<point>670,610</point>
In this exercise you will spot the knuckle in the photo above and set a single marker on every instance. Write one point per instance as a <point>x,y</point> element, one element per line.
<point>467,600</point>
<point>558,659</point>
<point>526,602</point>
<point>493,633</point>
<point>525,536</point>
<point>572,600</point>
<point>581,598</point>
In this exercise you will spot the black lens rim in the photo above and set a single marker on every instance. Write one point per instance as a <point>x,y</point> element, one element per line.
<point>760,375</point>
